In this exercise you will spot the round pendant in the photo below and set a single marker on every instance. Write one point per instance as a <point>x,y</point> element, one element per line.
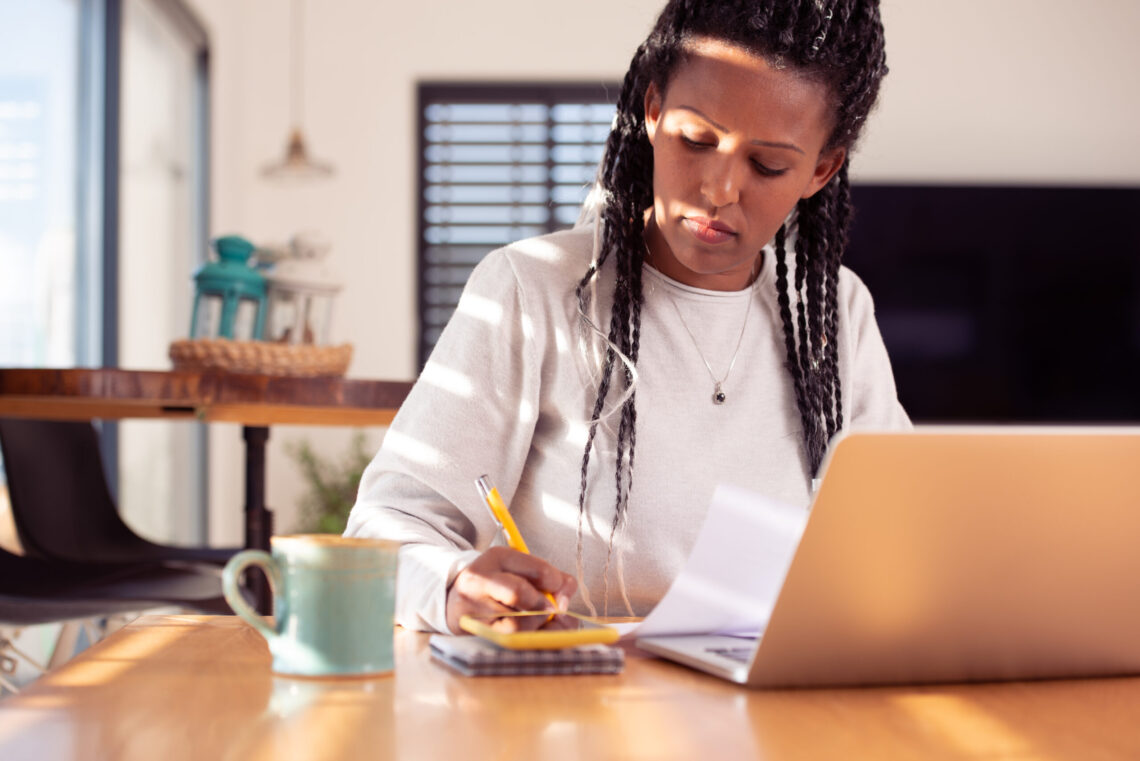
<point>718,396</point>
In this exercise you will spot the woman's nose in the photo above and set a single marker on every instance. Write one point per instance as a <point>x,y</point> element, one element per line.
<point>721,182</point>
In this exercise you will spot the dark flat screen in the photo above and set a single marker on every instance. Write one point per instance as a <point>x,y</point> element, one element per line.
<point>1005,304</point>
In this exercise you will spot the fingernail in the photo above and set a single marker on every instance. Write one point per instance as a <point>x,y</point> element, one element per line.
<point>563,602</point>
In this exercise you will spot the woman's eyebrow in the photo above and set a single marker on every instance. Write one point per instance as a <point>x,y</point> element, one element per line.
<point>722,128</point>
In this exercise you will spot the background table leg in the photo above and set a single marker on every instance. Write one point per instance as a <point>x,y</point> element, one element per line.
<point>258,518</point>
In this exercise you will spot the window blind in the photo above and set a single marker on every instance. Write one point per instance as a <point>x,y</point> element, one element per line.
<point>498,163</point>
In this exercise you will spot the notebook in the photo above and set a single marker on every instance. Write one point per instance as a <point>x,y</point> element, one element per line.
<point>949,554</point>
<point>473,656</point>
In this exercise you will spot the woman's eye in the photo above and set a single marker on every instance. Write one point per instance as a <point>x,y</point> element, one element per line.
<point>767,171</point>
<point>694,143</point>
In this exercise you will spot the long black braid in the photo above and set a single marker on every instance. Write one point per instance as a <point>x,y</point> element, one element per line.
<point>837,42</point>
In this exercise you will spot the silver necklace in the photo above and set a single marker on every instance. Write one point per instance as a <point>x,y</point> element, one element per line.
<point>718,395</point>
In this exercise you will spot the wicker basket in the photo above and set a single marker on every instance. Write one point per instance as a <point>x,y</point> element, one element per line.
<point>301,361</point>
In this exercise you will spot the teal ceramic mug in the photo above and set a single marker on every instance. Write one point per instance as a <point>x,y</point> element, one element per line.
<point>333,603</point>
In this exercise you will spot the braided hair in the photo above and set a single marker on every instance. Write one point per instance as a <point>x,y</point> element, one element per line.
<point>836,42</point>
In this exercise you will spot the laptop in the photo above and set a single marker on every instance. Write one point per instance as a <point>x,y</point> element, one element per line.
<point>951,554</point>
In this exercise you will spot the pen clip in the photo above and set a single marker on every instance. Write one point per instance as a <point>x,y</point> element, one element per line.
<point>483,484</point>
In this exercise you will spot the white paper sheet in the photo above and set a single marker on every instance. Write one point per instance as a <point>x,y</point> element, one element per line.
<point>735,571</point>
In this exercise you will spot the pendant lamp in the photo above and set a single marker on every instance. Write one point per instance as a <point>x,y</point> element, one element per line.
<point>296,163</point>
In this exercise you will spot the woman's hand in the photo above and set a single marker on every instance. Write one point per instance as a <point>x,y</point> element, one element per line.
<point>501,581</point>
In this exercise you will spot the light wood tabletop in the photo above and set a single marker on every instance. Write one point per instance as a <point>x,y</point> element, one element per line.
<point>182,687</point>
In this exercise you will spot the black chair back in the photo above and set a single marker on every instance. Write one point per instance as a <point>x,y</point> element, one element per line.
<point>60,500</point>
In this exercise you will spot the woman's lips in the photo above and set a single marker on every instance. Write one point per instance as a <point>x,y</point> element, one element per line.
<point>709,230</point>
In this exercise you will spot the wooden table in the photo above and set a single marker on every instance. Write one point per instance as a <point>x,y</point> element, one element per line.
<point>254,401</point>
<point>174,687</point>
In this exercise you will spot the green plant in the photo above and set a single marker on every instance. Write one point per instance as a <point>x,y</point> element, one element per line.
<point>332,485</point>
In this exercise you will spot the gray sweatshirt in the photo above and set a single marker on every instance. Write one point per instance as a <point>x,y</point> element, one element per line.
<point>508,391</point>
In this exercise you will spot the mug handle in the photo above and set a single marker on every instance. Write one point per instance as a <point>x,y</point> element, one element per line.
<point>230,587</point>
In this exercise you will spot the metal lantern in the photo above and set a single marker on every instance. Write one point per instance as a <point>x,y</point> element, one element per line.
<point>229,294</point>
<point>301,293</point>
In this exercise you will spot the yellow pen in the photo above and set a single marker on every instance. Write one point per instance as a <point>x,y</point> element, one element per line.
<point>502,516</point>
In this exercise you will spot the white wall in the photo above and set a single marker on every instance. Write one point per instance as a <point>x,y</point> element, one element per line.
<point>979,91</point>
<point>1008,91</point>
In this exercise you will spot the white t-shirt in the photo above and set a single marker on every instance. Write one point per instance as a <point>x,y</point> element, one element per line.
<point>508,391</point>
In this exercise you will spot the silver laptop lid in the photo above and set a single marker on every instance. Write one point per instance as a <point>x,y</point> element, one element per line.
<point>952,554</point>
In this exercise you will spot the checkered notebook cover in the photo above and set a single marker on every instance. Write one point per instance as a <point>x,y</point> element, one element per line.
<point>473,656</point>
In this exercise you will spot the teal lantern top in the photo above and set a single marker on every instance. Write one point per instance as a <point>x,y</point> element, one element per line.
<point>229,294</point>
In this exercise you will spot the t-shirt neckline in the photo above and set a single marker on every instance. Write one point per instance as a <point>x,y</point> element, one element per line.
<point>767,268</point>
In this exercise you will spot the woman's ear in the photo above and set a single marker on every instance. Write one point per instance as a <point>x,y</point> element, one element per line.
<point>652,110</point>
<point>829,163</point>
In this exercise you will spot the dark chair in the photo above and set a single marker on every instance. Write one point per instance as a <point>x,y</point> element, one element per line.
<point>61,504</point>
<point>37,591</point>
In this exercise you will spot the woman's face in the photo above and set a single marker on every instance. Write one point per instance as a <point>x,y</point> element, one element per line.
<point>736,143</point>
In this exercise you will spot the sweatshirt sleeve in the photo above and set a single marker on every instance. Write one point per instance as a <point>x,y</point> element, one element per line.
<point>472,411</point>
<point>872,402</point>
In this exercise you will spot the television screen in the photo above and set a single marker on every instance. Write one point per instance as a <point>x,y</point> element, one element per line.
<point>1005,304</point>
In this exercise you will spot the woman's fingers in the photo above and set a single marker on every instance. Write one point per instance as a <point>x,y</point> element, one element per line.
<point>510,590</point>
<point>541,574</point>
<point>502,580</point>
<point>566,591</point>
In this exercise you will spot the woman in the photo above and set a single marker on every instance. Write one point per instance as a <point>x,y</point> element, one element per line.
<point>696,329</point>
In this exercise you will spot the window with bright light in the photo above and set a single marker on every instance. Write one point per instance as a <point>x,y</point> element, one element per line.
<point>103,216</point>
<point>40,271</point>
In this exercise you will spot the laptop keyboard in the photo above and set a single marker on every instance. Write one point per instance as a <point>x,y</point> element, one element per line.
<point>741,654</point>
